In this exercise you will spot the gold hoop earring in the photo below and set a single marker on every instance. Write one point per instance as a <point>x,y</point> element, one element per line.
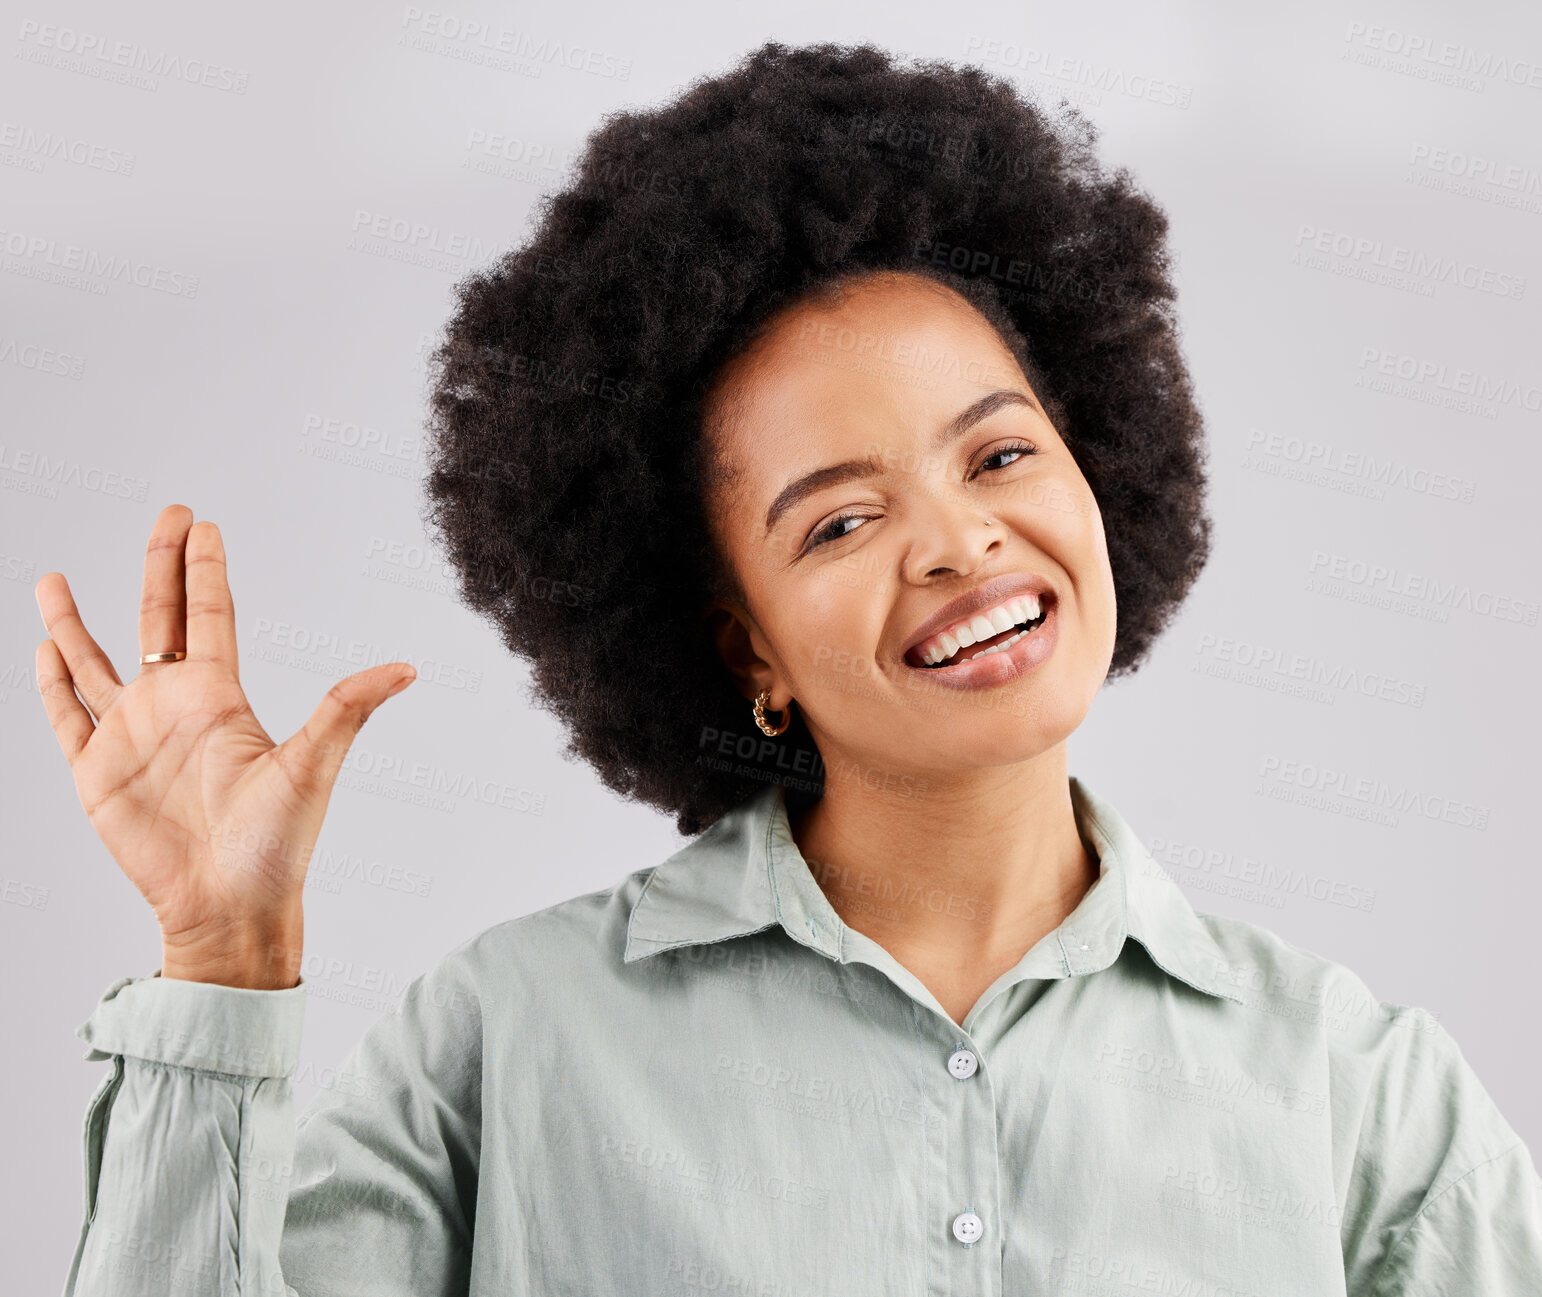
<point>761,700</point>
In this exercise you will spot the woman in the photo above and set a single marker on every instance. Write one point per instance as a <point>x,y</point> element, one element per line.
<point>845,403</point>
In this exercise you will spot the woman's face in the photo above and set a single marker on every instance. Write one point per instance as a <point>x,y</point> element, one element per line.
<point>869,440</point>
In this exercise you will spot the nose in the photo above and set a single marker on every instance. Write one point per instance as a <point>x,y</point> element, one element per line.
<point>951,536</point>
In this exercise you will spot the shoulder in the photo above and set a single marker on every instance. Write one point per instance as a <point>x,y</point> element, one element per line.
<point>1411,1119</point>
<point>1261,968</point>
<point>571,943</point>
<point>1366,1040</point>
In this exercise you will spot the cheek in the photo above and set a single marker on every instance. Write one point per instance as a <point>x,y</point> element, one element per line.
<point>826,626</point>
<point>1058,511</point>
<point>826,617</point>
<point>1061,515</point>
<point>1098,584</point>
<point>1097,540</point>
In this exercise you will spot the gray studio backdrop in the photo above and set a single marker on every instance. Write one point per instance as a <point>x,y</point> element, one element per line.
<point>228,238</point>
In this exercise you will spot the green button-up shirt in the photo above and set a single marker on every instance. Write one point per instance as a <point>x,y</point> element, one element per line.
<point>701,1081</point>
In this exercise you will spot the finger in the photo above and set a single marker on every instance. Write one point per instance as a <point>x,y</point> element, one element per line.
<point>71,722</point>
<point>95,680</point>
<point>163,597</point>
<point>211,612</point>
<point>313,755</point>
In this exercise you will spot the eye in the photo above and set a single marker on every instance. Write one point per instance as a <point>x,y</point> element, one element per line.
<point>1023,448</point>
<point>832,530</point>
<point>829,531</point>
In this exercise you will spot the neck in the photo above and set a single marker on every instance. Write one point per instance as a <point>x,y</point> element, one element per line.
<point>961,881</point>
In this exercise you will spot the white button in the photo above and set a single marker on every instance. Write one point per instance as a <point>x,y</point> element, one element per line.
<point>963,1064</point>
<point>967,1228</point>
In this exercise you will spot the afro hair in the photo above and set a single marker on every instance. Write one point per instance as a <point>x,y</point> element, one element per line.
<point>566,475</point>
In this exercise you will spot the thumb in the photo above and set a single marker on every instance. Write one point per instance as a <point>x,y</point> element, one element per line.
<point>314,754</point>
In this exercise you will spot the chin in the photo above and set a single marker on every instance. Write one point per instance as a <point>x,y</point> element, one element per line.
<point>985,731</point>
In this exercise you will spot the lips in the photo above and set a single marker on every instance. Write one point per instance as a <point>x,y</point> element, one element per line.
<point>976,602</point>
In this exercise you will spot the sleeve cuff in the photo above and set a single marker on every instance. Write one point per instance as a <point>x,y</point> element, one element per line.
<point>228,1029</point>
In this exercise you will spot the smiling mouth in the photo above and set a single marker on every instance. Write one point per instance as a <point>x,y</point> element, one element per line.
<point>995,644</point>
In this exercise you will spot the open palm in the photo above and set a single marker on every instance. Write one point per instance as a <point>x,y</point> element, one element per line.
<point>210,819</point>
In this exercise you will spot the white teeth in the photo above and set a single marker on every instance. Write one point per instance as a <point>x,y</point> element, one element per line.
<point>1024,608</point>
<point>1006,643</point>
<point>1014,612</point>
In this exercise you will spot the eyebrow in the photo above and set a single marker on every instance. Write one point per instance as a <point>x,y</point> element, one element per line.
<point>853,470</point>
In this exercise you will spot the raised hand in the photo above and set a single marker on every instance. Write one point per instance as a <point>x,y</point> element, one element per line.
<point>208,817</point>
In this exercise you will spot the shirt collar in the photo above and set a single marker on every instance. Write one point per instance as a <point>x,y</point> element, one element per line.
<point>745,873</point>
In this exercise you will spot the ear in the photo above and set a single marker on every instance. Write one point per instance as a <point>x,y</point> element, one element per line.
<point>735,633</point>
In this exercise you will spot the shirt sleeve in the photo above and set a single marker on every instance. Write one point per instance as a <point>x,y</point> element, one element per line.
<point>1481,1233</point>
<point>198,1179</point>
<point>1443,1196</point>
